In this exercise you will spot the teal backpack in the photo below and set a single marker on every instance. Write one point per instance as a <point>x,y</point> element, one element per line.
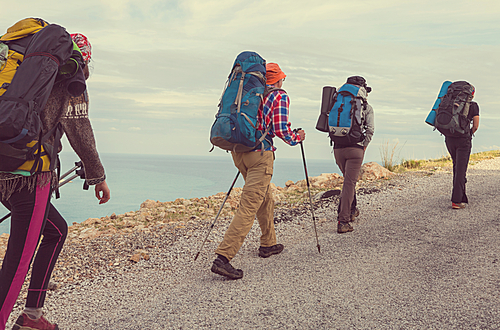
<point>235,126</point>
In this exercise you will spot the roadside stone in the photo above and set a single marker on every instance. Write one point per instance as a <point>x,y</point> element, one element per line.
<point>374,171</point>
<point>327,194</point>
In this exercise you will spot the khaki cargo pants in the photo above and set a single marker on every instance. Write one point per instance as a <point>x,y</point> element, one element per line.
<point>256,200</point>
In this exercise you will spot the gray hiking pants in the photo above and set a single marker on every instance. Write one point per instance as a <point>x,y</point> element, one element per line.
<point>349,161</point>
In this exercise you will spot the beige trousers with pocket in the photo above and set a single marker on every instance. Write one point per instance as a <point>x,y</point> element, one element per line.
<point>256,200</point>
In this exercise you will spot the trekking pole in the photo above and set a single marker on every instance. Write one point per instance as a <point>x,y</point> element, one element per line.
<point>5,217</point>
<point>309,190</point>
<point>213,224</point>
<point>79,173</point>
<point>77,165</point>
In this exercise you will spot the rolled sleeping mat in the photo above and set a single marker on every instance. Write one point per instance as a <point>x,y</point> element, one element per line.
<point>326,106</point>
<point>431,117</point>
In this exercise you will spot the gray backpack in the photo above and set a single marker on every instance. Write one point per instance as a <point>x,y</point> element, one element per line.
<point>452,113</point>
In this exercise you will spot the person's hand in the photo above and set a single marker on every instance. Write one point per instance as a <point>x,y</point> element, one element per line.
<point>302,134</point>
<point>475,124</point>
<point>102,188</point>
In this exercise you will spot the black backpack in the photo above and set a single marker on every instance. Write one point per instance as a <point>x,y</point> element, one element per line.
<point>452,114</point>
<point>23,98</point>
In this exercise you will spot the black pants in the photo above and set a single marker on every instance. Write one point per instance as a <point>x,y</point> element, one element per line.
<point>459,149</point>
<point>32,216</point>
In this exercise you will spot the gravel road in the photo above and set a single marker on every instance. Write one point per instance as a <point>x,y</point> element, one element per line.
<point>412,262</point>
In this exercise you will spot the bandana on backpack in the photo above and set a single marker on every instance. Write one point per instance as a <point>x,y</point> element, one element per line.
<point>83,43</point>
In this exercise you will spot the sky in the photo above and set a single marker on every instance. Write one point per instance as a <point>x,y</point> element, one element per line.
<point>159,67</point>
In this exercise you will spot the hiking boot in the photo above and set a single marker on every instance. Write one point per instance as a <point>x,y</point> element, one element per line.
<point>344,227</point>
<point>354,214</point>
<point>225,269</point>
<point>458,205</point>
<point>25,323</point>
<point>265,252</point>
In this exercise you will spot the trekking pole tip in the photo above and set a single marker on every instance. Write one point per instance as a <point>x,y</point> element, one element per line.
<point>196,257</point>
<point>319,249</point>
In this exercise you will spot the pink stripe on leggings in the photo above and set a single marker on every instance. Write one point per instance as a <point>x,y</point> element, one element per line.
<point>41,199</point>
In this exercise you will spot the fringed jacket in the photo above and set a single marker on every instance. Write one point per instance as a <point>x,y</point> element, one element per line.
<point>72,113</point>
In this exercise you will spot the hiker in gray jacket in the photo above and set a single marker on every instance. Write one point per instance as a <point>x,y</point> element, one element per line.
<point>33,216</point>
<point>349,158</point>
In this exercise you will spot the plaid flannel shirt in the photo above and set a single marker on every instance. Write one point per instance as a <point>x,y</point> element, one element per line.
<point>274,112</point>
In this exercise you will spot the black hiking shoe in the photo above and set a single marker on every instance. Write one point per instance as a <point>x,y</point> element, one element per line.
<point>265,252</point>
<point>354,214</point>
<point>225,269</point>
<point>344,227</point>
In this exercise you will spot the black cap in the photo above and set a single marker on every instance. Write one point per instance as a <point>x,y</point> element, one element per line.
<point>359,81</point>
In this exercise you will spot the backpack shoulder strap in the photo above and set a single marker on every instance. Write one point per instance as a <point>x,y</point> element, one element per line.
<point>268,90</point>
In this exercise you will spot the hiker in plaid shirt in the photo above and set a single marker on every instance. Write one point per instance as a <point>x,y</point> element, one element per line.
<point>257,170</point>
<point>275,112</point>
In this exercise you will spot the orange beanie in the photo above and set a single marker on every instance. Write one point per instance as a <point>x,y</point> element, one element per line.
<point>273,73</point>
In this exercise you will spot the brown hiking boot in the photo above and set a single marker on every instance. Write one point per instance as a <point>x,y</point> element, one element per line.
<point>226,269</point>
<point>265,252</point>
<point>344,227</point>
<point>354,214</point>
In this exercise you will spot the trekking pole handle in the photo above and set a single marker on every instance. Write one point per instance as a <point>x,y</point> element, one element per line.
<point>81,173</point>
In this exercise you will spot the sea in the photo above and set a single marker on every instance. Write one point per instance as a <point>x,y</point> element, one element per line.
<point>133,179</point>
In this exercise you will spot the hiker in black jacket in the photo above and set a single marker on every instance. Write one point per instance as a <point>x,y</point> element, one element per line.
<point>460,149</point>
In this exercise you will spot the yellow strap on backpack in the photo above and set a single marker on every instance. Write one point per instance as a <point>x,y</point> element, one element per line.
<point>21,29</point>
<point>10,68</point>
<point>44,161</point>
<point>24,28</point>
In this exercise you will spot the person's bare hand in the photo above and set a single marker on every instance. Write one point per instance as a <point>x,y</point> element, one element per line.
<point>102,188</point>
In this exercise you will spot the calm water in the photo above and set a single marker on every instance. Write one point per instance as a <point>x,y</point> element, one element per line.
<point>135,178</point>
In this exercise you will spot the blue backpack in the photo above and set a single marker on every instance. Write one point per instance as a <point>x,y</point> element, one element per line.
<point>235,126</point>
<point>345,118</point>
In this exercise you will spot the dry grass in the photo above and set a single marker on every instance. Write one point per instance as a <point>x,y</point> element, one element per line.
<point>443,162</point>
<point>387,154</point>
